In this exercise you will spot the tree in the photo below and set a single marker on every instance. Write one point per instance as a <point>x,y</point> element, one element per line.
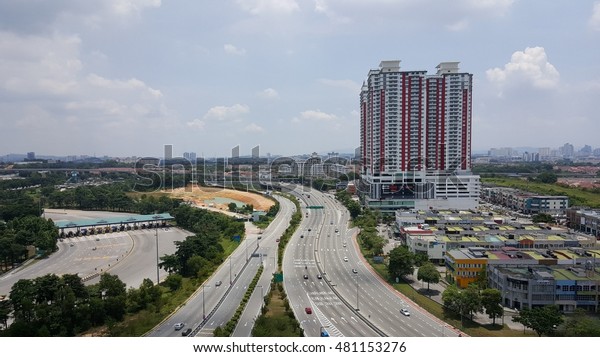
<point>491,300</point>
<point>170,263</point>
<point>174,281</point>
<point>429,274</point>
<point>481,280</point>
<point>543,320</point>
<point>400,262</point>
<point>114,296</point>
<point>542,218</point>
<point>580,324</point>
<point>470,301</point>
<point>354,208</point>
<point>547,177</point>
<point>5,311</point>
<point>450,298</point>
<point>232,206</point>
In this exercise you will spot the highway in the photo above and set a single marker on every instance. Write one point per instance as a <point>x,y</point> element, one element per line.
<point>300,259</point>
<point>211,305</point>
<point>351,304</point>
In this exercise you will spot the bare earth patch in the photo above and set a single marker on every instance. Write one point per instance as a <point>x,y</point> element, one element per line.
<point>199,196</point>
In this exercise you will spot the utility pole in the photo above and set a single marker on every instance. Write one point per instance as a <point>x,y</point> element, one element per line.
<point>157,269</point>
<point>203,298</point>
<point>357,309</point>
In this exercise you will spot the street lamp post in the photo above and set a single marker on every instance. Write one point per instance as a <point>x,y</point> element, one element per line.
<point>230,270</point>
<point>262,296</point>
<point>357,309</point>
<point>157,270</point>
<point>203,298</point>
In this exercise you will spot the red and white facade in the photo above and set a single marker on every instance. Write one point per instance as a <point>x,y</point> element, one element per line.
<point>415,137</point>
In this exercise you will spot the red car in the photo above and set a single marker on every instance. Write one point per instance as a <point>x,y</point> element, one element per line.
<point>308,310</point>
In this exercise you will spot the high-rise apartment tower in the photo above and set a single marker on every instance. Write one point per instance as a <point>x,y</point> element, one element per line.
<point>415,138</point>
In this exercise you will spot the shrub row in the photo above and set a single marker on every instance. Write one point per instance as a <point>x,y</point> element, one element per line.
<point>287,235</point>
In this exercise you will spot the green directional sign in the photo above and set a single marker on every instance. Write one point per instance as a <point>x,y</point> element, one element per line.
<point>314,207</point>
<point>278,277</point>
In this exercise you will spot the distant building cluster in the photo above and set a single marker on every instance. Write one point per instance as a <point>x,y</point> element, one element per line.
<point>567,151</point>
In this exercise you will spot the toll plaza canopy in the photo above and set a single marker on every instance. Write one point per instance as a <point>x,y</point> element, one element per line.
<point>133,219</point>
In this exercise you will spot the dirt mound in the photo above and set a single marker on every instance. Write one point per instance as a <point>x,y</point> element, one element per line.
<point>220,198</point>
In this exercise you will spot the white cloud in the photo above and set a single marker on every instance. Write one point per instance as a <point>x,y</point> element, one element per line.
<point>259,7</point>
<point>454,15</point>
<point>530,65</point>
<point>495,6</point>
<point>232,50</point>
<point>321,7</point>
<point>115,84</point>
<point>254,128</point>
<point>595,19</point>
<point>341,83</point>
<point>196,124</point>
<point>47,87</point>
<point>316,115</point>
<point>458,26</point>
<point>128,7</point>
<point>268,93</point>
<point>39,65</point>
<point>223,113</point>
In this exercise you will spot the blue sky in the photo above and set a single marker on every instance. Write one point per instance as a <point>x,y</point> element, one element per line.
<point>125,77</point>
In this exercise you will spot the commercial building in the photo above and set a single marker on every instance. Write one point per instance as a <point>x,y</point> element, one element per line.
<point>415,139</point>
<point>526,202</point>
<point>584,220</point>
<point>570,288</point>
<point>463,266</point>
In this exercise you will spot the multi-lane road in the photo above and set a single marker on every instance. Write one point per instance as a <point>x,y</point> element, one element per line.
<point>214,303</point>
<point>350,299</point>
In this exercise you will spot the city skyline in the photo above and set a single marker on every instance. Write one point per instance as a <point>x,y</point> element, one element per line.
<point>109,78</point>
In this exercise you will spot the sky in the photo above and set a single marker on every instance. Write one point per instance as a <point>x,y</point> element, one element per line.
<point>125,77</point>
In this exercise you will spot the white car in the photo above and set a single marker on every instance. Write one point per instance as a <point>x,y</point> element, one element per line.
<point>178,326</point>
<point>345,259</point>
<point>404,312</point>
